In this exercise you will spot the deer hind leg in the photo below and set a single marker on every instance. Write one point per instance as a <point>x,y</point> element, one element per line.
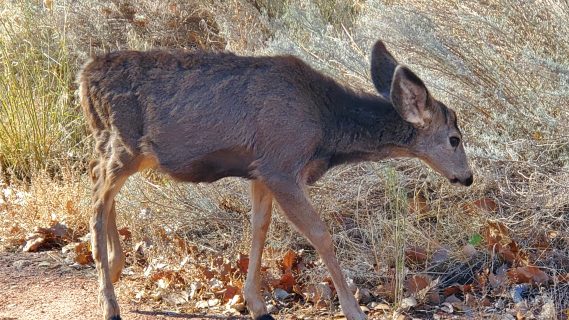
<point>117,257</point>
<point>262,202</point>
<point>110,173</point>
<point>297,208</point>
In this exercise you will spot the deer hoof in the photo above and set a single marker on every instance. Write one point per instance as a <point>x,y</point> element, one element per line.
<point>265,317</point>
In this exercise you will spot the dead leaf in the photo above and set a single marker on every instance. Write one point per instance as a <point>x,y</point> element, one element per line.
<point>386,291</point>
<point>230,292</point>
<point>14,229</point>
<point>319,294</point>
<point>206,272</point>
<point>542,241</point>
<point>498,240</point>
<point>289,260</point>
<point>485,302</point>
<point>125,233</point>
<point>286,282</point>
<point>48,4</point>
<point>69,207</point>
<point>243,263</point>
<point>433,298</point>
<point>83,254</point>
<point>165,278</point>
<point>34,243</point>
<point>512,254</point>
<point>527,274</point>
<point>184,246</point>
<point>470,300</point>
<point>417,283</point>
<point>494,233</point>
<point>452,290</point>
<point>415,255</point>
<point>418,204</point>
<point>486,204</point>
<point>496,280</point>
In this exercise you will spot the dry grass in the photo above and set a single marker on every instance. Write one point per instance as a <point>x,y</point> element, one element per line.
<point>39,124</point>
<point>501,64</point>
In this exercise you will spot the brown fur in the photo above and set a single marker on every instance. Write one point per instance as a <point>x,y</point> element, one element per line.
<point>201,117</point>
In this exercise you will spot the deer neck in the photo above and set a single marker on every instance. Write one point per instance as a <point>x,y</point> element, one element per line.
<point>367,127</point>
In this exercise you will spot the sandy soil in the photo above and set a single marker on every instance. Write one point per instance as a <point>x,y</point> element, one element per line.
<point>38,286</point>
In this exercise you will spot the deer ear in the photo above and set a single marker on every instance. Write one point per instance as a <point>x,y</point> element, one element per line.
<point>410,97</point>
<point>382,68</point>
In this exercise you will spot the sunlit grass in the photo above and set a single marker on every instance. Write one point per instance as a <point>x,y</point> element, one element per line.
<point>40,125</point>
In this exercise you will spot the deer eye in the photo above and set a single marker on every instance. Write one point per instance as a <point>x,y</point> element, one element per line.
<point>454,141</point>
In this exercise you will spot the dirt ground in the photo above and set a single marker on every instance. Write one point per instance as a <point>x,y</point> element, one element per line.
<point>38,286</point>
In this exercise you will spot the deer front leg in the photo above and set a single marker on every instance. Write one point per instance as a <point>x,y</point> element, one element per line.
<point>262,202</point>
<point>298,210</point>
<point>99,222</point>
<point>105,190</point>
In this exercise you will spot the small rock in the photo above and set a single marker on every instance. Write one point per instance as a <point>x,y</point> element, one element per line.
<point>236,303</point>
<point>441,255</point>
<point>77,266</point>
<point>271,308</point>
<point>547,311</point>
<point>20,264</point>
<point>176,299</point>
<point>408,302</point>
<point>447,307</point>
<point>68,248</point>
<point>379,306</point>
<point>280,294</point>
<point>44,264</point>
<point>500,304</point>
<point>507,316</point>
<point>194,288</point>
<point>398,316</point>
<point>351,285</point>
<point>517,292</point>
<point>452,299</point>
<point>362,295</point>
<point>213,302</point>
<point>239,307</point>
<point>86,238</point>
<point>469,251</point>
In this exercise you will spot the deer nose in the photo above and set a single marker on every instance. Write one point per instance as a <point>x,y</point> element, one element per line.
<point>468,181</point>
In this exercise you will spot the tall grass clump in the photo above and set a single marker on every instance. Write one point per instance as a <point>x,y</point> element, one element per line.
<point>40,125</point>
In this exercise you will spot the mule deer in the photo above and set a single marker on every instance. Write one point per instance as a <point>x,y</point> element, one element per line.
<point>201,117</point>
